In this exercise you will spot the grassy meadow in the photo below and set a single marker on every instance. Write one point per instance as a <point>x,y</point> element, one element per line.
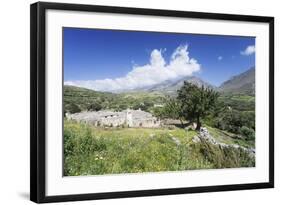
<point>90,150</point>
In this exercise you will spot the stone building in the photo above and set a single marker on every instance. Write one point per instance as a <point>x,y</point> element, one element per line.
<point>128,118</point>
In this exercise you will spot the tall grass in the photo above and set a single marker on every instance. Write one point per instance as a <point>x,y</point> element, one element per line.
<point>90,150</point>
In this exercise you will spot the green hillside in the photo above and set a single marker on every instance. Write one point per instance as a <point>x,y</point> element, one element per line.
<point>78,99</point>
<point>241,102</point>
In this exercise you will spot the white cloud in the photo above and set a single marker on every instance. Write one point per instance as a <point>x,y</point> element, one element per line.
<point>156,71</point>
<point>220,58</point>
<point>248,51</point>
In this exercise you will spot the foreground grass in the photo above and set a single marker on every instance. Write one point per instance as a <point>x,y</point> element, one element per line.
<point>90,150</point>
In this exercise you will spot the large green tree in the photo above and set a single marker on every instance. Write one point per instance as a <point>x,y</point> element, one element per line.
<point>172,109</point>
<point>196,102</point>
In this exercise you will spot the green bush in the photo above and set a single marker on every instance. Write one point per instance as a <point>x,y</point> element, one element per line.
<point>224,157</point>
<point>72,108</point>
<point>248,133</point>
<point>94,106</point>
<point>233,120</point>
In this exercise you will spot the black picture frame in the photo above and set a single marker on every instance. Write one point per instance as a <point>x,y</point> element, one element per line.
<point>38,101</point>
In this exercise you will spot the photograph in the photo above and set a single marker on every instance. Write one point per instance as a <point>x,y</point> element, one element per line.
<point>142,101</point>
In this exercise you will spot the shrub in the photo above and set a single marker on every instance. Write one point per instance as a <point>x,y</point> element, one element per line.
<point>95,106</point>
<point>72,108</point>
<point>248,133</point>
<point>233,121</point>
<point>224,157</point>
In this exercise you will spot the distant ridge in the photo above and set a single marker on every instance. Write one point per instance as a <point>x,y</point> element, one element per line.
<point>170,87</point>
<point>242,83</point>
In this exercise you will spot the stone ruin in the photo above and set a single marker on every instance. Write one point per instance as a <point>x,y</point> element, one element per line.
<point>126,118</point>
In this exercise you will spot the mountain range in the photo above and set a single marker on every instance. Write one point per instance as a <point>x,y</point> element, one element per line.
<point>170,87</point>
<point>242,83</point>
<point>77,99</point>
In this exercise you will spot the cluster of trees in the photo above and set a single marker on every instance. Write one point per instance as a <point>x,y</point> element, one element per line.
<point>239,102</point>
<point>96,105</point>
<point>240,122</point>
<point>203,104</point>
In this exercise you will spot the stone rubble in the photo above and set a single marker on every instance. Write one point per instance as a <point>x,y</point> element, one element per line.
<point>176,141</point>
<point>204,135</point>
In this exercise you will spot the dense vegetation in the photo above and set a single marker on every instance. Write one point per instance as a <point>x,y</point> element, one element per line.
<point>90,150</point>
<point>235,114</point>
<point>232,113</point>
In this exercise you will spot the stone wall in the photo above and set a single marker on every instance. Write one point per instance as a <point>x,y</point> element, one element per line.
<point>204,135</point>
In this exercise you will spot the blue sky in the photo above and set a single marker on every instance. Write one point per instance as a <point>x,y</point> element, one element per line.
<point>91,56</point>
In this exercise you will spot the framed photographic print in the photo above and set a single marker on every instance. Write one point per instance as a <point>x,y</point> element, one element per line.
<point>129,102</point>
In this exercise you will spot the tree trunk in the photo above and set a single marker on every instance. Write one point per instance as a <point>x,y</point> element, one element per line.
<point>198,123</point>
<point>181,123</point>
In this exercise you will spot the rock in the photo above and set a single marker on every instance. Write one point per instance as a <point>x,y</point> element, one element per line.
<point>176,140</point>
<point>204,134</point>
<point>151,135</point>
<point>191,127</point>
<point>196,139</point>
<point>252,150</point>
<point>235,146</point>
<point>223,145</point>
<point>188,128</point>
<point>237,137</point>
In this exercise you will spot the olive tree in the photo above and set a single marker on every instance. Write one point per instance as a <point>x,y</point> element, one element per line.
<point>196,102</point>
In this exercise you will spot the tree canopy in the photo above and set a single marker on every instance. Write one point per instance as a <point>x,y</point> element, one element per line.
<point>196,102</point>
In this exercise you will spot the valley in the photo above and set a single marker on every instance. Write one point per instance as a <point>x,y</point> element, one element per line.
<point>106,148</point>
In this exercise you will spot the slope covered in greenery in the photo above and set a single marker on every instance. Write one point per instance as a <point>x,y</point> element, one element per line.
<point>78,99</point>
